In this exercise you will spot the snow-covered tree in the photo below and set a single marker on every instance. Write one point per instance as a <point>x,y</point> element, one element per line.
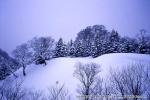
<point>127,45</point>
<point>130,80</point>
<point>97,42</point>
<point>101,43</point>
<point>85,34</point>
<point>143,41</point>
<point>79,49</point>
<point>84,40</point>
<point>94,50</point>
<point>43,49</point>
<point>87,47</point>
<point>148,44</point>
<point>61,49</point>
<point>23,55</point>
<point>7,65</point>
<point>114,42</point>
<point>71,49</point>
<point>100,39</point>
<point>87,75</point>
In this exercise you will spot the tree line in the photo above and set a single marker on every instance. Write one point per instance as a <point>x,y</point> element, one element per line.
<point>92,41</point>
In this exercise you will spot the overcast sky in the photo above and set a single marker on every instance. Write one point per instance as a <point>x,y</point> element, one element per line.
<point>21,20</point>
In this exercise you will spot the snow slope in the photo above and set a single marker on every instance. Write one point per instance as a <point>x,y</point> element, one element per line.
<point>61,70</point>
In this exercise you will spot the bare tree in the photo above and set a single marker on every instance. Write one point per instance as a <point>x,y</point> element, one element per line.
<point>97,90</point>
<point>136,80</point>
<point>35,95</point>
<point>13,90</point>
<point>143,41</point>
<point>23,55</point>
<point>43,49</point>
<point>131,80</point>
<point>86,74</point>
<point>147,81</point>
<point>118,83</point>
<point>108,90</point>
<point>9,91</point>
<point>58,93</point>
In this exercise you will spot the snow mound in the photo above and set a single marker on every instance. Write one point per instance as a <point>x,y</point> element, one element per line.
<point>60,70</point>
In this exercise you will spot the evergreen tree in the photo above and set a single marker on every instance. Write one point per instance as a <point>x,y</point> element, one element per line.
<point>79,49</point>
<point>87,48</point>
<point>123,46</point>
<point>61,49</point>
<point>148,44</point>
<point>96,33</point>
<point>94,50</point>
<point>71,49</point>
<point>98,44</point>
<point>127,45</point>
<point>114,41</point>
<point>100,39</point>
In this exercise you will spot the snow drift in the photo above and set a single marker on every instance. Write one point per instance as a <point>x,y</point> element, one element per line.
<point>60,70</point>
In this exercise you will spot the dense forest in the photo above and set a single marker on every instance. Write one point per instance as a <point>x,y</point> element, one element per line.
<point>92,41</point>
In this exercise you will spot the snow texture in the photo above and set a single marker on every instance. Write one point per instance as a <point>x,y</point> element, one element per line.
<point>60,70</point>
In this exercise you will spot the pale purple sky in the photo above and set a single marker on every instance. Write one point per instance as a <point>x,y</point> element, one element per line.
<point>21,20</point>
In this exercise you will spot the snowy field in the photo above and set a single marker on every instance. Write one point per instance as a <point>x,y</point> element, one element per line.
<point>60,70</point>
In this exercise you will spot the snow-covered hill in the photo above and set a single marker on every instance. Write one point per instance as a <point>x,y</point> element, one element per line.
<point>61,70</point>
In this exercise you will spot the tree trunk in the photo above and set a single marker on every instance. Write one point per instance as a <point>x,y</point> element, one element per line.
<point>44,63</point>
<point>87,93</point>
<point>24,72</point>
